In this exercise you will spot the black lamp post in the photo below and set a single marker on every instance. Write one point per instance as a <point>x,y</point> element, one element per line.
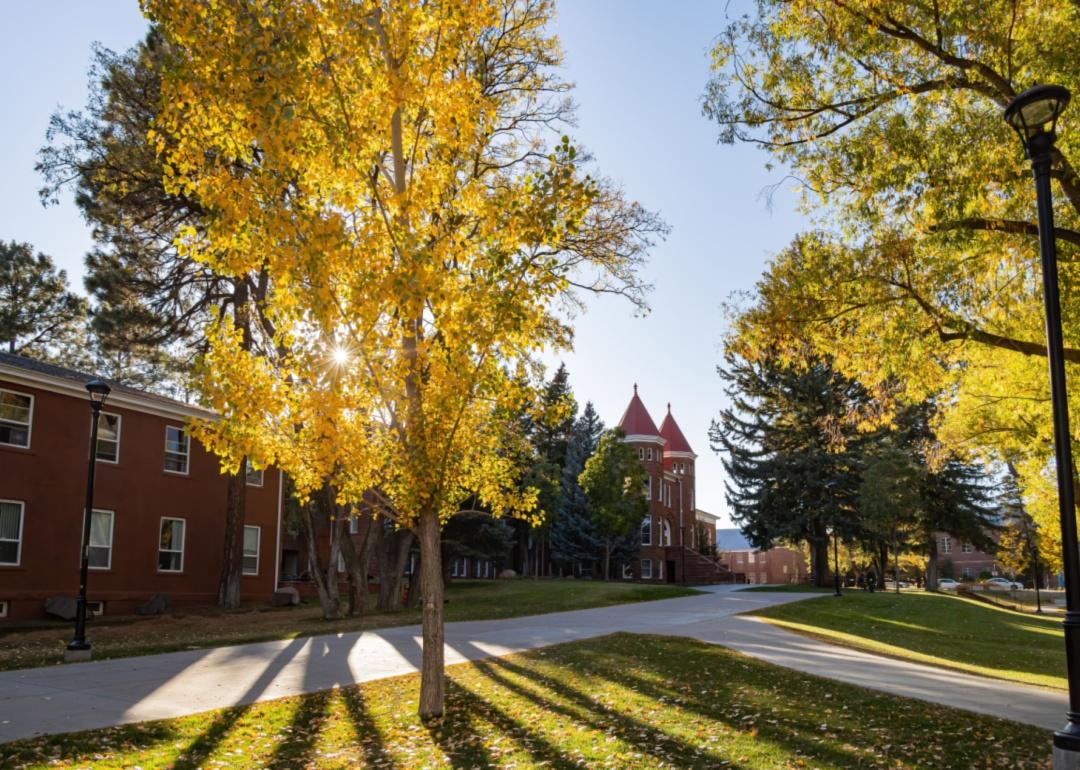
<point>78,648</point>
<point>1034,115</point>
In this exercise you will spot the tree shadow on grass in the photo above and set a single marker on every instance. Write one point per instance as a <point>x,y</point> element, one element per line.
<point>590,713</point>
<point>298,745</point>
<point>367,733</point>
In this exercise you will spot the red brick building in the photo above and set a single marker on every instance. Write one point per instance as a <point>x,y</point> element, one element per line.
<point>775,566</point>
<point>961,560</point>
<point>668,551</point>
<point>159,504</point>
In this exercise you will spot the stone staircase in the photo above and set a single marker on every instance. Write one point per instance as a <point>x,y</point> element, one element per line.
<point>699,568</point>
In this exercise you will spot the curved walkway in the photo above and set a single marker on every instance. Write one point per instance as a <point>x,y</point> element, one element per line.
<point>84,696</point>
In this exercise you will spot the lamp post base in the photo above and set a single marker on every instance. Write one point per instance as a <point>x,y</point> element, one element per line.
<point>80,654</point>
<point>1067,749</point>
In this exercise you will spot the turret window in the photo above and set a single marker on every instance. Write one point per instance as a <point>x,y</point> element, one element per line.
<point>646,531</point>
<point>649,454</point>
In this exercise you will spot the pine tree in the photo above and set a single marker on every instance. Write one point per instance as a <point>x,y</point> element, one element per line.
<point>791,449</point>
<point>575,543</point>
<point>39,317</point>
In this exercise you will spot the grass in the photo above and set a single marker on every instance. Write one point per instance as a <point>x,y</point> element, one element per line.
<point>469,600</point>
<point>939,630</point>
<point>623,701</point>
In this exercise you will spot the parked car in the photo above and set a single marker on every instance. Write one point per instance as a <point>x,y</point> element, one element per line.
<point>947,584</point>
<point>1002,584</point>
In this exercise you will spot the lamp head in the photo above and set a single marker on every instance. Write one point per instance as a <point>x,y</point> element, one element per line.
<point>99,390</point>
<point>1035,112</point>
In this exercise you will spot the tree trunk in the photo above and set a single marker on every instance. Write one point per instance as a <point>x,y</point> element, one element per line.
<point>883,564</point>
<point>607,559</point>
<point>932,566</point>
<point>432,684</point>
<point>232,565</point>
<point>392,569</point>
<point>357,563</point>
<point>819,558</point>
<point>896,565</point>
<point>324,574</point>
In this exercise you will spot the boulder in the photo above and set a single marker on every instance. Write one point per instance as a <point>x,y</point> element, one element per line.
<point>63,607</point>
<point>156,605</point>
<point>508,573</point>
<point>285,597</point>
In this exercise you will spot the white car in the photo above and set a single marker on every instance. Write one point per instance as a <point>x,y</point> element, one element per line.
<point>947,584</point>
<point>1003,584</point>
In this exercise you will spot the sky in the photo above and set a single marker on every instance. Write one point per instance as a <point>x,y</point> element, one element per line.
<point>639,68</point>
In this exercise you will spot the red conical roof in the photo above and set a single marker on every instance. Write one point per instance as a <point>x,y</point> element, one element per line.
<point>636,420</point>
<point>674,439</point>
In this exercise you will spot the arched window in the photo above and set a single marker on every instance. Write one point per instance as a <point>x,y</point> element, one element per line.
<point>665,532</point>
<point>646,531</point>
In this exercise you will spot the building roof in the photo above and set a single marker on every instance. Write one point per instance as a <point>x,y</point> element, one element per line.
<point>732,540</point>
<point>673,436</point>
<point>72,382</point>
<point>636,420</point>
<point>705,515</point>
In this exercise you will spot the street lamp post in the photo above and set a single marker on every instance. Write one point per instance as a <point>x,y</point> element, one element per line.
<point>1034,114</point>
<point>79,648</point>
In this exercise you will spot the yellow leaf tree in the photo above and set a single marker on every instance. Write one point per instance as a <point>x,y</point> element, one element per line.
<point>390,171</point>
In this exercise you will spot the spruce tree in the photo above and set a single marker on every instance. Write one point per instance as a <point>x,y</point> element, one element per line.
<point>575,543</point>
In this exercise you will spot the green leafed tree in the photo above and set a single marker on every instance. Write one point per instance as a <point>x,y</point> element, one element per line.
<point>613,481</point>
<point>39,317</point>
<point>889,500</point>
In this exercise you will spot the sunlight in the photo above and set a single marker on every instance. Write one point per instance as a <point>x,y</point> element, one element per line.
<point>340,355</point>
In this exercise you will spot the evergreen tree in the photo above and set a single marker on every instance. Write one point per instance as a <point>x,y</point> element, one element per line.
<point>39,317</point>
<point>791,446</point>
<point>575,542</point>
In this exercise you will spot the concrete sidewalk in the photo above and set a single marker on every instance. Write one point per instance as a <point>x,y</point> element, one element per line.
<point>99,694</point>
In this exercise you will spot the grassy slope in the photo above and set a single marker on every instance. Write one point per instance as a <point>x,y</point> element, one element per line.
<point>469,600</point>
<point>622,701</point>
<point>940,630</point>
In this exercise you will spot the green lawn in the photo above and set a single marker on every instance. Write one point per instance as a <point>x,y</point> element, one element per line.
<point>468,600</point>
<point>795,588</point>
<point>941,630</point>
<point>622,701</point>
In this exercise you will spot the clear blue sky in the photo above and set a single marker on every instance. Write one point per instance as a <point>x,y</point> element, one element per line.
<point>640,68</point>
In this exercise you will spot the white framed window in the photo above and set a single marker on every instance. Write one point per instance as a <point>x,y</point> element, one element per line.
<point>640,453</point>
<point>354,525</point>
<point>738,558</point>
<point>101,538</point>
<point>108,438</point>
<point>646,569</point>
<point>95,608</point>
<point>967,548</point>
<point>3,609</point>
<point>11,529</point>
<point>454,567</point>
<point>252,536</point>
<point>16,418</point>
<point>946,544</point>
<point>254,475</point>
<point>648,487</point>
<point>665,533</point>
<point>171,544</point>
<point>627,572</point>
<point>649,454</point>
<point>750,557</point>
<point>667,495</point>
<point>646,531</point>
<point>177,449</point>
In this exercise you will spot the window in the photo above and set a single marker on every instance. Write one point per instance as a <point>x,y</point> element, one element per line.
<point>177,449</point>
<point>101,532</point>
<point>967,548</point>
<point>969,573</point>
<point>648,487</point>
<point>646,531</point>
<point>665,534</point>
<point>16,410</point>
<point>660,491</point>
<point>254,475</point>
<point>95,608</point>
<point>946,545</point>
<point>340,562</point>
<point>3,609</point>
<point>251,550</point>
<point>411,570</point>
<point>646,569</point>
<point>354,525</point>
<point>784,569</point>
<point>640,453</point>
<point>660,570</point>
<point>108,438</point>
<point>738,558</point>
<point>627,573</point>
<point>649,454</point>
<point>171,545</point>
<point>11,527</point>
<point>750,558</point>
